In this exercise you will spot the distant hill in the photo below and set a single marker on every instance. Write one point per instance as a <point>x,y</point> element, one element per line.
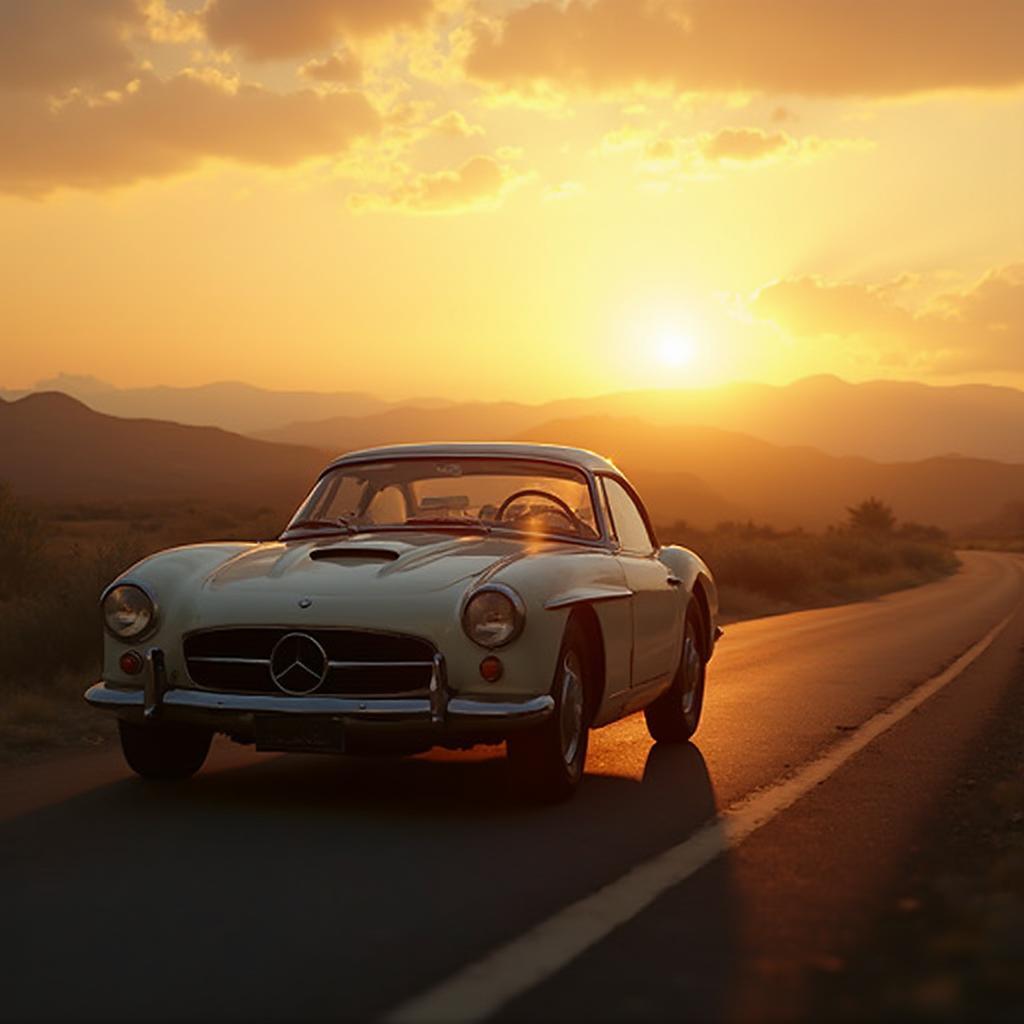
<point>227,404</point>
<point>788,487</point>
<point>475,421</point>
<point>54,448</point>
<point>889,421</point>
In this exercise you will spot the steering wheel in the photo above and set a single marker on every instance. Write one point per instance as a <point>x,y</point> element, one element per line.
<point>561,507</point>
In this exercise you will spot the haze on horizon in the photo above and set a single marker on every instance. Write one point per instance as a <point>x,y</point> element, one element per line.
<point>487,199</point>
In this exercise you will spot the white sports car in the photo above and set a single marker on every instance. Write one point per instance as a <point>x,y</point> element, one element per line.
<point>422,595</point>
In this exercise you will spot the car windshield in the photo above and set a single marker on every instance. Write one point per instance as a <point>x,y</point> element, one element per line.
<point>450,493</point>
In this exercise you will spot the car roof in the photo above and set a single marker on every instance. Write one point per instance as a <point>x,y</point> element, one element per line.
<point>578,457</point>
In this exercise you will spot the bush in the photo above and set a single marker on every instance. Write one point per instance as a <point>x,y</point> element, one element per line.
<point>54,622</point>
<point>798,569</point>
<point>49,615</point>
<point>775,570</point>
<point>22,540</point>
<point>867,555</point>
<point>871,516</point>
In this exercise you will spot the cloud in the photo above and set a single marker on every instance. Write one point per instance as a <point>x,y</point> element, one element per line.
<point>454,125</point>
<point>480,182</point>
<point>170,24</point>
<point>157,127</point>
<point>979,328</point>
<point>563,191</point>
<point>707,153</point>
<point>48,46</point>
<point>809,47</point>
<point>660,150</point>
<point>814,307</point>
<point>744,144</point>
<point>342,68</point>
<point>275,29</point>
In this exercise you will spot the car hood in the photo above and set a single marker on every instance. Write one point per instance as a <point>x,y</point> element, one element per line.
<point>373,565</point>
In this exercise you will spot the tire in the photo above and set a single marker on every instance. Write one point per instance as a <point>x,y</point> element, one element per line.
<point>164,752</point>
<point>675,715</point>
<point>547,760</point>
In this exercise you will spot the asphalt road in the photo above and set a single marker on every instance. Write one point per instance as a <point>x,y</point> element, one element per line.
<point>285,886</point>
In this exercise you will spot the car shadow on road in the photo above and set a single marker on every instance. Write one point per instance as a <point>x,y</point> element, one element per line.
<point>431,854</point>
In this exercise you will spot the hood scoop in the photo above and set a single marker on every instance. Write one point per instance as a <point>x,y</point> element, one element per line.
<point>354,554</point>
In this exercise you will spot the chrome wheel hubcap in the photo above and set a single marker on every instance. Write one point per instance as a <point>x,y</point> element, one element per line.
<point>571,721</point>
<point>691,672</point>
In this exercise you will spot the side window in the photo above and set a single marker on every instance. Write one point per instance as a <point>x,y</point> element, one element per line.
<point>629,524</point>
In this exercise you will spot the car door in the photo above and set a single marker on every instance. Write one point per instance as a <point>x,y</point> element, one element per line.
<point>657,601</point>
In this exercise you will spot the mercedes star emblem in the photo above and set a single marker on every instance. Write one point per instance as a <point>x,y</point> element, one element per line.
<point>298,664</point>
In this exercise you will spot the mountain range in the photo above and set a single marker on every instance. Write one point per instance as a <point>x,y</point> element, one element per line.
<point>745,477</point>
<point>230,405</point>
<point>54,448</point>
<point>886,421</point>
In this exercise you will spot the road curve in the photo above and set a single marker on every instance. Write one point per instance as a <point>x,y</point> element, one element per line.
<point>301,887</point>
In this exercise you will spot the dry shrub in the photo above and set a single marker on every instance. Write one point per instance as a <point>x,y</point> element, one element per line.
<point>797,569</point>
<point>54,622</point>
<point>22,540</point>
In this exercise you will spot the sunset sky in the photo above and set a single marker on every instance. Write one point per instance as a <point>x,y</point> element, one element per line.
<point>499,199</point>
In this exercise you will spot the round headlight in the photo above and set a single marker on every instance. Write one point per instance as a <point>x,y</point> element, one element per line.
<point>128,611</point>
<point>492,617</point>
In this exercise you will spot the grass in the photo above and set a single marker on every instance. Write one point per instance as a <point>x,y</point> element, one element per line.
<point>34,720</point>
<point>762,571</point>
<point>54,562</point>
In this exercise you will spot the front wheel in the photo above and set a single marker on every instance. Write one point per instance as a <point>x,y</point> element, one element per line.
<point>675,715</point>
<point>547,760</point>
<point>164,752</point>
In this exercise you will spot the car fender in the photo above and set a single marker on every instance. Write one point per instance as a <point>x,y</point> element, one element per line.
<point>555,585</point>
<point>169,577</point>
<point>698,585</point>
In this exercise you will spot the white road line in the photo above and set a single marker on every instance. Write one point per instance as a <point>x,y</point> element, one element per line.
<point>482,988</point>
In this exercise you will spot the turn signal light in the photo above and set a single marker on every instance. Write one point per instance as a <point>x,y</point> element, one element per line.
<point>491,669</point>
<point>131,663</point>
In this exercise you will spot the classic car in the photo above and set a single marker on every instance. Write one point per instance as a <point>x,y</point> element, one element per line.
<point>422,595</point>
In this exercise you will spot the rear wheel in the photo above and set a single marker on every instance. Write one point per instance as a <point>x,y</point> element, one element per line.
<point>547,760</point>
<point>675,715</point>
<point>165,752</point>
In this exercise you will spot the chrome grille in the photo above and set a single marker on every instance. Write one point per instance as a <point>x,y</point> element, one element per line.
<point>360,663</point>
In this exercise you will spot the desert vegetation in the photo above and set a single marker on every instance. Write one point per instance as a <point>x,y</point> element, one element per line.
<point>55,560</point>
<point>761,570</point>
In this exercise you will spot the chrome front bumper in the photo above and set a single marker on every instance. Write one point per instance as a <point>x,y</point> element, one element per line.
<point>233,712</point>
<point>432,719</point>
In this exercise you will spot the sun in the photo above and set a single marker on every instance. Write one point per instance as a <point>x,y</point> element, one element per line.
<point>673,348</point>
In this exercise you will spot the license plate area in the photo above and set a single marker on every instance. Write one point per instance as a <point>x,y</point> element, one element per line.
<point>300,733</point>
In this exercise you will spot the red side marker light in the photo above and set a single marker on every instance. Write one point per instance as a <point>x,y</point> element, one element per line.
<point>131,663</point>
<point>491,668</point>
